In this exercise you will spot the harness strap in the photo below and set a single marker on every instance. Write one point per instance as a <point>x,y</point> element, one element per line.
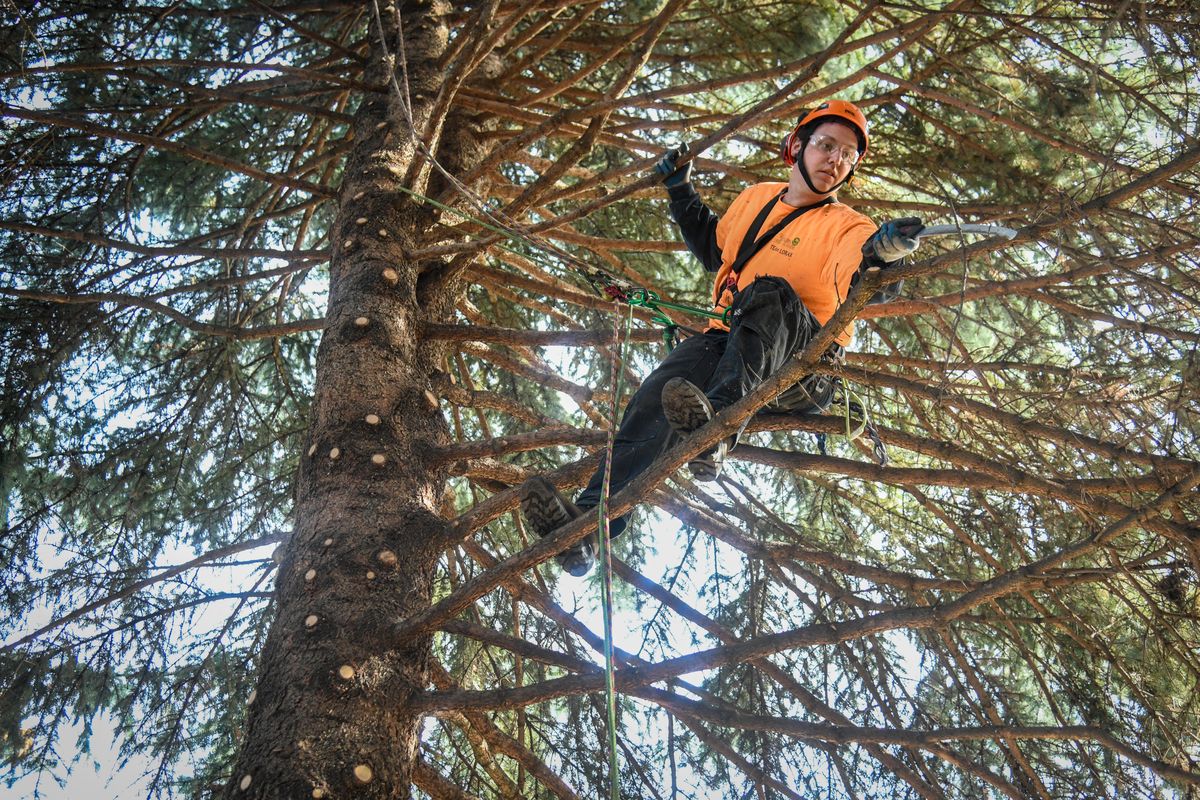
<point>752,243</point>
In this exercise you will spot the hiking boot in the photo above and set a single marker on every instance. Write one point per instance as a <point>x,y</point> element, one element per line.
<point>546,511</point>
<point>687,410</point>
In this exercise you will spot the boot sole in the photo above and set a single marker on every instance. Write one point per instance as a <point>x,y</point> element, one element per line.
<point>684,406</point>
<point>687,410</point>
<point>544,508</point>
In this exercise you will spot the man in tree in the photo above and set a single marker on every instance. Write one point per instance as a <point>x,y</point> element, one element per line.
<point>785,256</point>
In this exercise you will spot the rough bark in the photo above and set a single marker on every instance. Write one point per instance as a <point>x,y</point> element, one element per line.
<point>331,716</point>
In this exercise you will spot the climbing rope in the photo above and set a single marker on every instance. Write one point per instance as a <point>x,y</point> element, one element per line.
<point>618,351</point>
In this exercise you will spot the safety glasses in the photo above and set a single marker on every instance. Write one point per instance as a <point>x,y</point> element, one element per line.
<point>828,146</point>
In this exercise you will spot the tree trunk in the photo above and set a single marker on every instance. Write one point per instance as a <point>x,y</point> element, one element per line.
<point>331,716</point>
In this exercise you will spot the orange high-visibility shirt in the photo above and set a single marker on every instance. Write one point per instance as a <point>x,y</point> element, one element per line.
<point>817,254</point>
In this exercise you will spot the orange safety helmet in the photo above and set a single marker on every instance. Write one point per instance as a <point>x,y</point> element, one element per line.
<point>838,109</point>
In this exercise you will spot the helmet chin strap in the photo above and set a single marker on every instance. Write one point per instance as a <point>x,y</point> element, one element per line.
<point>804,173</point>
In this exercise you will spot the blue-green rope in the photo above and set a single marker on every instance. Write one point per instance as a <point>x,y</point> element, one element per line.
<point>618,347</point>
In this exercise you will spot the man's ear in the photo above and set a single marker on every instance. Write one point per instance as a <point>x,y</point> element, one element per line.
<point>797,144</point>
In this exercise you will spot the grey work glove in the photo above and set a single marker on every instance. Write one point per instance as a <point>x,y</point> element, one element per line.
<point>672,174</point>
<point>893,241</point>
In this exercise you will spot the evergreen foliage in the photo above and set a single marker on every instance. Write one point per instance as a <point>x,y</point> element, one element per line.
<point>1009,608</point>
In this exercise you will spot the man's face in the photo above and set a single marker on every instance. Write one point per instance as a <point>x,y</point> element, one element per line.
<point>824,155</point>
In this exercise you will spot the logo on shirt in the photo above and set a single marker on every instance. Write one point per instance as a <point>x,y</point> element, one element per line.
<point>781,247</point>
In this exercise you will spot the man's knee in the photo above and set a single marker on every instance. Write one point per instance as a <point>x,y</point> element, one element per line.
<point>766,303</point>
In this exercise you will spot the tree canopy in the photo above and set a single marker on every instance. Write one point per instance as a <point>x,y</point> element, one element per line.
<point>229,231</point>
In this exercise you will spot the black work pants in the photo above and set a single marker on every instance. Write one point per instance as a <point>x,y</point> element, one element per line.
<point>768,324</point>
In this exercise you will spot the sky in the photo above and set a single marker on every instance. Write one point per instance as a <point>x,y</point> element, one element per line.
<point>101,774</point>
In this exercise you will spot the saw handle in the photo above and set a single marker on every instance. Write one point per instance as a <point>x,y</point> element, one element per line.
<point>917,230</point>
<point>895,239</point>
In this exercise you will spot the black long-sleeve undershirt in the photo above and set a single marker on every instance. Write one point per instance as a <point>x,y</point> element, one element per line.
<point>697,224</point>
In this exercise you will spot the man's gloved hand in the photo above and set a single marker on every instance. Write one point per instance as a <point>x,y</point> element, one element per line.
<point>672,174</point>
<point>893,241</point>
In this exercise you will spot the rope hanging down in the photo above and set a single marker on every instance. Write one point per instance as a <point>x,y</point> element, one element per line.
<point>618,353</point>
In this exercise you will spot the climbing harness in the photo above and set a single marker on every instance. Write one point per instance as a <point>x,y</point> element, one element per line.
<point>610,286</point>
<point>607,285</point>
